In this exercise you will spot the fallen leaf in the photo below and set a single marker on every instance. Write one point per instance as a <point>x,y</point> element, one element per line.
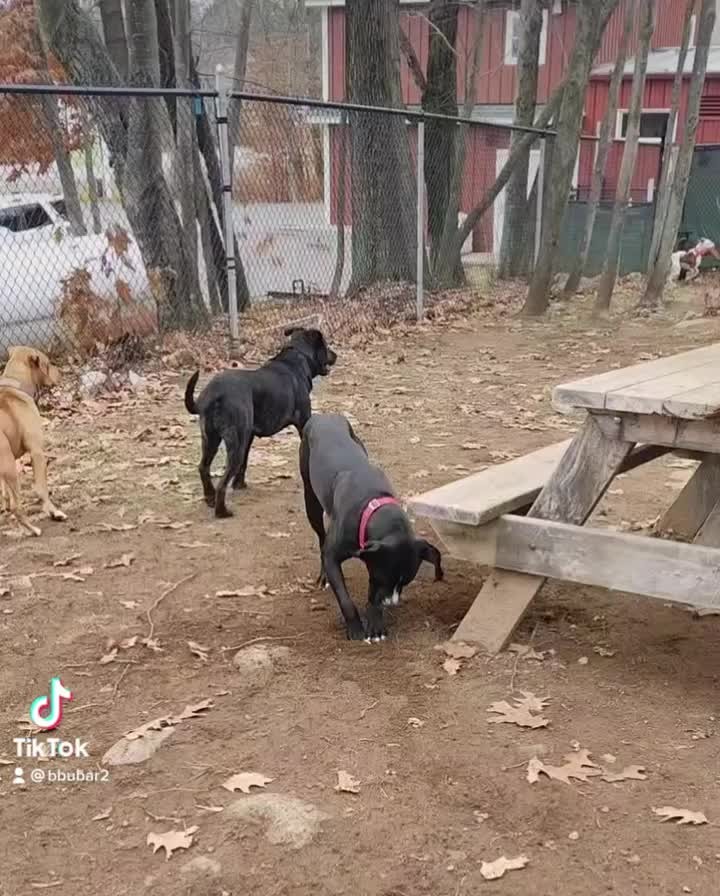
<point>452,666</point>
<point>192,711</point>
<point>247,591</point>
<point>521,713</point>
<point>583,661</point>
<point>472,446</point>
<point>496,869</point>
<point>152,644</point>
<point>244,781</point>
<point>209,808</point>
<point>102,815</point>
<point>127,643</point>
<point>681,816</point>
<point>577,765</point>
<point>171,840</point>
<point>347,784</point>
<point>526,652</point>
<point>124,560</point>
<point>46,885</point>
<point>109,657</point>
<point>458,650</point>
<point>415,723</point>
<point>130,604</point>
<point>631,773</point>
<point>198,650</point>
<point>603,651</point>
<point>116,527</point>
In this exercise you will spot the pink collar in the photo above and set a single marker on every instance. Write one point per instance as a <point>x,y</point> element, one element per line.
<point>372,506</point>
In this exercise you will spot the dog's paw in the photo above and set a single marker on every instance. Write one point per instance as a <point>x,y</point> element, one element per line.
<point>223,513</point>
<point>356,630</point>
<point>239,485</point>
<point>57,515</point>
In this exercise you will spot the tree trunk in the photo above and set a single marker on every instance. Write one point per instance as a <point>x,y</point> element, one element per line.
<point>449,257</point>
<point>668,155</point>
<point>185,138</point>
<point>239,73</point>
<point>514,235</point>
<point>207,222</point>
<point>440,96</point>
<point>113,25</point>
<point>209,151</point>
<point>341,210</point>
<point>383,213</point>
<point>627,167</point>
<point>605,141</point>
<point>49,106</point>
<point>659,274</point>
<point>93,192</point>
<point>593,16</point>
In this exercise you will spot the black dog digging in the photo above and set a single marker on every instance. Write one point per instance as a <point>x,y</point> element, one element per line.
<point>238,405</point>
<point>366,521</point>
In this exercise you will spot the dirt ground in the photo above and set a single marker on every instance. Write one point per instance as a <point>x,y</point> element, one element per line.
<point>442,789</point>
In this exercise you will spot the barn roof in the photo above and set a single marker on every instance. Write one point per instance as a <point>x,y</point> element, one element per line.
<point>663,63</point>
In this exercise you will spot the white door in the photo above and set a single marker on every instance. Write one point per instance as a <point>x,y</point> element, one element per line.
<point>501,156</point>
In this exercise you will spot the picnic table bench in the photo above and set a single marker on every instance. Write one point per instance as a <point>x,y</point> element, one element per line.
<point>525,518</point>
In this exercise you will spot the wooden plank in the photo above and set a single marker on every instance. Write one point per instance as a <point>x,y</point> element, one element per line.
<point>709,534</point>
<point>691,435</point>
<point>654,567</point>
<point>504,596</point>
<point>590,392</point>
<point>674,391</point>
<point>691,508</point>
<point>580,480</point>
<point>475,500</point>
<point>488,494</point>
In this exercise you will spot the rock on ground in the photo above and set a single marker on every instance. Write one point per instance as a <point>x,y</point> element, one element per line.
<point>289,821</point>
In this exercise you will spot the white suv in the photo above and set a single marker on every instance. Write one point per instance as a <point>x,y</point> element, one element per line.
<point>38,251</point>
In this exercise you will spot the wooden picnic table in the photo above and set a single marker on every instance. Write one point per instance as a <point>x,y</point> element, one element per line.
<point>525,519</point>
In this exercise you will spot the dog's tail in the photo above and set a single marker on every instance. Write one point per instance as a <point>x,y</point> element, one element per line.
<point>190,393</point>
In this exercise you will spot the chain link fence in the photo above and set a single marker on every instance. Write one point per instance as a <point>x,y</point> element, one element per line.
<point>128,215</point>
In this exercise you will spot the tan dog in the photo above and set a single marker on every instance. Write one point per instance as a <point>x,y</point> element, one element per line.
<point>21,429</point>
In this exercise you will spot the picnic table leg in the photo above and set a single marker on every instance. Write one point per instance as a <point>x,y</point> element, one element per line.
<point>692,507</point>
<point>580,480</point>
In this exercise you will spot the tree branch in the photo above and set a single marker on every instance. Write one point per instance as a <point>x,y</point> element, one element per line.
<point>412,61</point>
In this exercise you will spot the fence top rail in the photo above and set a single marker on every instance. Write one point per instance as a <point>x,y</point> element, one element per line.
<point>416,115</point>
<point>411,114</point>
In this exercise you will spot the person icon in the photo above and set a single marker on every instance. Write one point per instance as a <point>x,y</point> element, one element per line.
<point>19,779</point>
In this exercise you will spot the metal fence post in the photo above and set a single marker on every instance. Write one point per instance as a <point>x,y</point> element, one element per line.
<point>540,199</point>
<point>420,273</point>
<point>221,120</point>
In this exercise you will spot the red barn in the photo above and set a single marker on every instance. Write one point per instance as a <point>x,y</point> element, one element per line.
<point>495,91</point>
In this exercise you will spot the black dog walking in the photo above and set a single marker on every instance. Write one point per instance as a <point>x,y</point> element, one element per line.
<point>238,405</point>
<point>366,521</point>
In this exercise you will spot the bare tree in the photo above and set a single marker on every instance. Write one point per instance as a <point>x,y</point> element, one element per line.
<point>627,166</point>
<point>342,136</point>
<point>185,138</point>
<point>659,274</point>
<point>134,133</point>
<point>605,141</point>
<point>240,71</point>
<point>114,32</point>
<point>514,235</point>
<point>383,215</point>
<point>669,152</point>
<point>593,16</point>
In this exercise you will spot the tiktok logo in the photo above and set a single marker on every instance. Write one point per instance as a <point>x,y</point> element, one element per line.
<point>46,711</point>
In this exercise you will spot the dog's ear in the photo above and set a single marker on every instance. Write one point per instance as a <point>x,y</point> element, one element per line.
<point>430,554</point>
<point>34,361</point>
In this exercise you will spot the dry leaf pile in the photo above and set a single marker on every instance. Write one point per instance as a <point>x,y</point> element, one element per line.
<point>526,711</point>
